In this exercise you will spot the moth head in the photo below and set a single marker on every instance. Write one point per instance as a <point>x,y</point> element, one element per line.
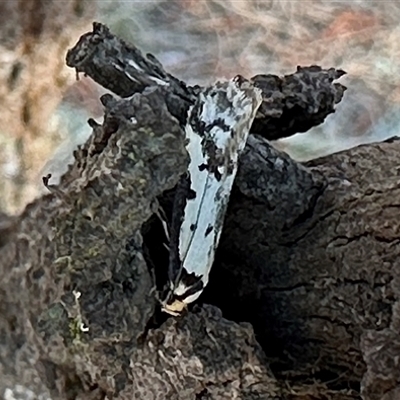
<point>175,308</point>
<point>181,297</point>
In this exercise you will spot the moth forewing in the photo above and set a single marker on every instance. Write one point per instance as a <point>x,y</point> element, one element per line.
<point>216,132</point>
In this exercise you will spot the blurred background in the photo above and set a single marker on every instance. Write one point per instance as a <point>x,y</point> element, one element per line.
<point>44,108</point>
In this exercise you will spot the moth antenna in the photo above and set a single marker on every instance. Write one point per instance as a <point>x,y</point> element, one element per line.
<point>163,219</point>
<point>166,246</point>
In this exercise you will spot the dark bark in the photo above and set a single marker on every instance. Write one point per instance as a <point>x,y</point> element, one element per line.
<point>308,256</point>
<point>293,103</point>
<point>325,279</point>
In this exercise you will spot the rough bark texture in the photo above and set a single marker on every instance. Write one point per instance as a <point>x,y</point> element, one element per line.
<point>306,274</point>
<point>34,36</point>
<point>292,104</point>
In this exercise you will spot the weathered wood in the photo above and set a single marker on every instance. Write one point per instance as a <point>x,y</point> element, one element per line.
<point>84,267</point>
<point>308,256</point>
<point>314,285</point>
<point>291,104</point>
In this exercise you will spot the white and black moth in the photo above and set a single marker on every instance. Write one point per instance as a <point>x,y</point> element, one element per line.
<point>216,132</point>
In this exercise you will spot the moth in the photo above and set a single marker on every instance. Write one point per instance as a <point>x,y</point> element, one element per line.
<point>216,132</point>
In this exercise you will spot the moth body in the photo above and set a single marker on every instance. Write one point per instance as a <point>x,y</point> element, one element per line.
<point>216,132</point>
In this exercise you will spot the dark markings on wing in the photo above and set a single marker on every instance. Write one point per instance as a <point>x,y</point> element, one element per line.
<point>218,122</point>
<point>215,156</point>
<point>190,279</point>
<point>191,194</point>
<point>208,230</point>
<point>197,125</point>
<point>193,227</point>
<point>212,168</point>
<point>193,284</point>
<point>203,167</point>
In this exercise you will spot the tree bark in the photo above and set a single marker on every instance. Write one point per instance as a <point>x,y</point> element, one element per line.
<point>303,296</point>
